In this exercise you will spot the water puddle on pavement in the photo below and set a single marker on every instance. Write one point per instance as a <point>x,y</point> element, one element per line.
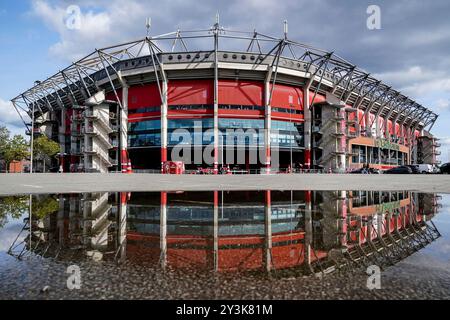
<point>225,245</point>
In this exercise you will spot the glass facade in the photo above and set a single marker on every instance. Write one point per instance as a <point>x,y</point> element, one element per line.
<point>370,198</point>
<point>241,132</point>
<point>199,131</point>
<point>144,133</point>
<point>374,155</point>
<point>287,134</point>
<point>211,107</point>
<point>190,131</point>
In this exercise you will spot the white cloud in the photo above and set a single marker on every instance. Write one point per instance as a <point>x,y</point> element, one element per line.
<point>445,149</point>
<point>108,23</point>
<point>416,81</point>
<point>73,44</point>
<point>10,118</point>
<point>443,104</point>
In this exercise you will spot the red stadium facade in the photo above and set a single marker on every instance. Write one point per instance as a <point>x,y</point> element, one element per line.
<point>131,107</point>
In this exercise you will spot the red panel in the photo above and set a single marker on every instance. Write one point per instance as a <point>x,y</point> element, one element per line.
<point>143,117</point>
<point>286,116</point>
<point>397,129</point>
<point>319,97</point>
<point>143,96</point>
<point>247,114</point>
<point>239,92</point>
<point>417,133</point>
<point>68,120</point>
<point>361,119</point>
<point>112,96</point>
<point>380,122</point>
<point>389,127</point>
<point>405,133</point>
<point>287,97</point>
<point>184,92</point>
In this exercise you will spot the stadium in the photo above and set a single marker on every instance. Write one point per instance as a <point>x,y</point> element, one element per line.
<point>121,108</point>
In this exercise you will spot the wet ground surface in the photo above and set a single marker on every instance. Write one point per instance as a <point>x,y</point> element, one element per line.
<point>42,274</point>
<point>27,279</point>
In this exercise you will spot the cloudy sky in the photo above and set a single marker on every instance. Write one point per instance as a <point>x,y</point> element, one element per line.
<point>411,51</point>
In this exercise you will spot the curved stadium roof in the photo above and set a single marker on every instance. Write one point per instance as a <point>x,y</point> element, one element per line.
<point>328,71</point>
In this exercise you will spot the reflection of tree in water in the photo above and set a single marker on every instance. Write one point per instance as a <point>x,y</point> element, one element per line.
<point>13,207</point>
<point>44,205</point>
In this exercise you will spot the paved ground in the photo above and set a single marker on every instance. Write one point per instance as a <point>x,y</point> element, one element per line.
<point>25,279</point>
<point>76,183</point>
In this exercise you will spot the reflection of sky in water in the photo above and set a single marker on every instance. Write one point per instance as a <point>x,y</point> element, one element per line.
<point>9,233</point>
<point>437,254</point>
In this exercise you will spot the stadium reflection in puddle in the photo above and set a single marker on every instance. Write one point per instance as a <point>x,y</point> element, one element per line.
<point>305,232</point>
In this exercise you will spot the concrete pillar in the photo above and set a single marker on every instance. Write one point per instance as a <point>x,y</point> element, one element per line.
<point>307,127</point>
<point>163,230</point>
<point>308,229</point>
<point>62,136</point>
<point>377,127</point>
<point>122,226</point>
<point>342,213</point>
<point>216,230</point>
<point>164,134</point>
<point>368,127</point>
<point>123,132</point>
<point>87,162</point>
<point>268,231</point>
<point>61,221</point>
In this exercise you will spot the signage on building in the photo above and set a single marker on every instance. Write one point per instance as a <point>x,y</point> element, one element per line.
<point>388,207</point>
<point>386,144</point>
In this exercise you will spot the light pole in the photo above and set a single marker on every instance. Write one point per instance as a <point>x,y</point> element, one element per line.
<point>32,140</point>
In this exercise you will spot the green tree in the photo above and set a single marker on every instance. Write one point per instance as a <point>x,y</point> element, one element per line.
<point>16,149</point>
<point>4,137</point>
<point>43,206</point>
<point>44,149</point>
<point>13,207</point>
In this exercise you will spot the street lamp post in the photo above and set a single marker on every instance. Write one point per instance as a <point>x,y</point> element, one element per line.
<point>32,140</point>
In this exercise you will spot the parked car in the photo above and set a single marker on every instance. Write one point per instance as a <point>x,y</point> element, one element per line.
<point>425,168</point>
<point>399,170</point>
<point>359,171</point>
<point>445,168</point>
<point>365,171</point>
<point>375,171</point>
<point>414,168</point>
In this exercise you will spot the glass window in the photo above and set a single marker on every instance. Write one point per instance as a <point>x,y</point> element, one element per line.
<point>384,156</point>
<point>375,155</point>
<point>144,125</point>
<point>355,152</point>
<point>241,124</point>
<point>144,140</point>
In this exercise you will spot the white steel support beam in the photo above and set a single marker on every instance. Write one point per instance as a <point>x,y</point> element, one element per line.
<point>124,160</point>
<point>267,120</point>
<point>164,122</point>
<point>216,97</point>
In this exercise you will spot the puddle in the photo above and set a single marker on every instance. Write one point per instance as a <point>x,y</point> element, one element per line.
<point>225,245</point>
